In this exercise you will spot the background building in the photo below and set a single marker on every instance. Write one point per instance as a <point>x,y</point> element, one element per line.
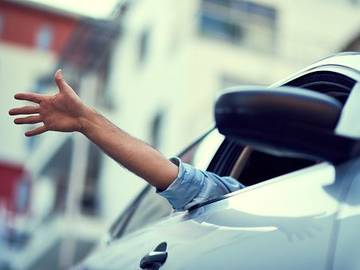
<point>30,41</point>
<point>32,37</point>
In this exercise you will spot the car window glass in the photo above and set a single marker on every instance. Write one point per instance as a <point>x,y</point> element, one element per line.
<point>151,208</point>
<point>261,166</point>
<point>258,167</point>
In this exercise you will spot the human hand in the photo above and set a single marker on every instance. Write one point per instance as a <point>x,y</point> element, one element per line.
<point>63,111</point>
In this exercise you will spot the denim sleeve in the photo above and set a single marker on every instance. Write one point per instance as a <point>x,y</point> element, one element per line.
<point>193,186</point>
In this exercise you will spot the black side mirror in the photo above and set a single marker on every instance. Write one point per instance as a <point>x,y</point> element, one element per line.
<point>284,121</point>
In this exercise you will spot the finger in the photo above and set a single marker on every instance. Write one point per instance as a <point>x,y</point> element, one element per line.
<point>36,131</point>
<point>25,110</point>
<point>33,119</point>
<point>37,98</point>
<point>60,82</point>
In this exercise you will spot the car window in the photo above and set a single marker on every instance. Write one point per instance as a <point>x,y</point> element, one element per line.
<point>262,166</point>
<point>256,167</point>
<point>146,209</point>
<point>149,207</point>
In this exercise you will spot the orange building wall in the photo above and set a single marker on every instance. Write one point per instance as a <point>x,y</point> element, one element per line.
<point>22,23</point>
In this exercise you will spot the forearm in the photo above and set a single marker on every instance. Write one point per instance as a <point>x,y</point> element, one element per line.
<point>135,155</point>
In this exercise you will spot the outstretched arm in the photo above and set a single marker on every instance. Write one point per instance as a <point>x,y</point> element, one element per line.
<point>65,112</point>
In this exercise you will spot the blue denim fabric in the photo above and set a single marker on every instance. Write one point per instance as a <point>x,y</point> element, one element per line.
<point>193,186</point>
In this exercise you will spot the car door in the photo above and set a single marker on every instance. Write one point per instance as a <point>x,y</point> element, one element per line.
<point>345,252</point>
<point>283,223</point>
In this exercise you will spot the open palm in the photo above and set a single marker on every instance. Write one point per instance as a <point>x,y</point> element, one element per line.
<point>60,112</point>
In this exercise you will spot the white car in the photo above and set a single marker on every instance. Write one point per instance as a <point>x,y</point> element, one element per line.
<point>298,152</point>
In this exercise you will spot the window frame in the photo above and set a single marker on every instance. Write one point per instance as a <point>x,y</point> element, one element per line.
<point>236,21</point>
<point>2,24</point>
<point>44,38</point>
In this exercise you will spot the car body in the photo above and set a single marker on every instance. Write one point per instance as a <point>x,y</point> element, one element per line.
<point>294,213</point>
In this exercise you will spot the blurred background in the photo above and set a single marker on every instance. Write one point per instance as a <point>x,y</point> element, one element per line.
<point>154,67</point>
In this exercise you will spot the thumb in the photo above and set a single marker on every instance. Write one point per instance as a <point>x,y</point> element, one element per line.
<point>60,82</point>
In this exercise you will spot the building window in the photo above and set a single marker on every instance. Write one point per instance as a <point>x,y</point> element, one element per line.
<point>156,128</point>
<point>44,37</point>
<point>2,24</point>
<point>244,23</point>
<point>143,50</point>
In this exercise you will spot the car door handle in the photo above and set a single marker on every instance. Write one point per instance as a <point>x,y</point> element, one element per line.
<point>155,259</point>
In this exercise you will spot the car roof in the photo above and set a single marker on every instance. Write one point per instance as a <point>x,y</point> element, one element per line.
<point>345,60</point>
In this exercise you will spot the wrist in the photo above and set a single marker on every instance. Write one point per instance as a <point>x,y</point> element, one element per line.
<point>87,120</point>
